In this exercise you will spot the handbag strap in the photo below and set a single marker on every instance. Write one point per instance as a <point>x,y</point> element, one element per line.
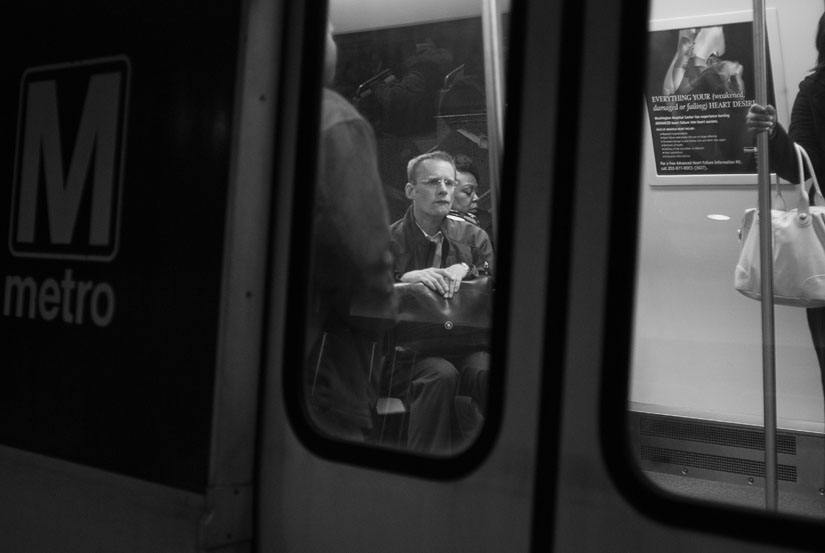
<point>802,156</point>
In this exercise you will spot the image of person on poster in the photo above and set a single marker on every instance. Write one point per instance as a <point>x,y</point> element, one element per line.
<point>696,100</point>
<point>697,66</point>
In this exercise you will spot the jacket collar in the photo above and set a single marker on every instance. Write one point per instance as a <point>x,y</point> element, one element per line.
<point>416,231</point>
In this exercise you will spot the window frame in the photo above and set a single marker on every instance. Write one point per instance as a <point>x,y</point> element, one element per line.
<point>304,36</point>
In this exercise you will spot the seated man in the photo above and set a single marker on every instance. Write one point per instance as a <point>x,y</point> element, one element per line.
<point>439,252</point>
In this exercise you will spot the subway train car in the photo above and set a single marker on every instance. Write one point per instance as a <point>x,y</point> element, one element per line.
<point>174,216</point>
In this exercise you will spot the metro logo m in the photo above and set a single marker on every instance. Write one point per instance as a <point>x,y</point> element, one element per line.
<point>59,213</point>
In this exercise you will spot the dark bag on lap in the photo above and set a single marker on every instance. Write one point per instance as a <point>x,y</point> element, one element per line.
<point>433,325</point>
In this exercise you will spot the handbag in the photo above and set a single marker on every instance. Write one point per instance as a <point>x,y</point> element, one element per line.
<point>798,249</point>
<point>429,323</point>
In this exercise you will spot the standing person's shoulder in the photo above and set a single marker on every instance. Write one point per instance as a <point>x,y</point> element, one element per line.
<point>813,83</point>
<point>818,82</point>
<point>336,110</point>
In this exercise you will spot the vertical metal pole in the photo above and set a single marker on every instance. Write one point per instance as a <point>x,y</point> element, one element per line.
<point>766,258</point>
<point>494,79</point>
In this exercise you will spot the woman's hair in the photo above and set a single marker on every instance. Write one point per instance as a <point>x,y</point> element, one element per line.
<point>820,43</point>
<point>464,164</point>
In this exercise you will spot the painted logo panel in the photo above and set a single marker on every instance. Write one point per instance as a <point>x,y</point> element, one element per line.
<point>69,161</point>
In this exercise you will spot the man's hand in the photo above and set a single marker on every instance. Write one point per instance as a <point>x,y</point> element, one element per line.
<point>456,274</point>
<point>446,282</point>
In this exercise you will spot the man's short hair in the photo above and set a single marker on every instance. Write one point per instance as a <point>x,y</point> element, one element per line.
<point>464,164</point>
<point>412,166</point>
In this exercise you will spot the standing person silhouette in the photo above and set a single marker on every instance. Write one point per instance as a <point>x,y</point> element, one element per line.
<point>807,128</point>
<point>351,264</point>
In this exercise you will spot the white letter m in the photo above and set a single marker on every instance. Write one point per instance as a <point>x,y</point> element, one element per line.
<point>96,139</point>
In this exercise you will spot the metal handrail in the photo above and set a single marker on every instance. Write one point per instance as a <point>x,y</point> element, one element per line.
<point>766,262</point>
<point>368,82</point>
<point>494,84</point>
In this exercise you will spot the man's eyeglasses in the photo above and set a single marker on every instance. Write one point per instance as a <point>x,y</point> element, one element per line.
<point>435,181</point>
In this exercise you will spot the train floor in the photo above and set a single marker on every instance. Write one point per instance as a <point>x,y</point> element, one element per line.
<point>794,503</point>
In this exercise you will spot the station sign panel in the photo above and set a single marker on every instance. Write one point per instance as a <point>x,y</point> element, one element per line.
<point>116,130</point>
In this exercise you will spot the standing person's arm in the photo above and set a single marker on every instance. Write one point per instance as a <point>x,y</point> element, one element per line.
<point>804,132</point>
<point>357,218</point>
<point>781,154</point>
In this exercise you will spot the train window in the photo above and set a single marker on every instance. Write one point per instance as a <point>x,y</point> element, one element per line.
<point>402,238</point>
<point>696,391</point>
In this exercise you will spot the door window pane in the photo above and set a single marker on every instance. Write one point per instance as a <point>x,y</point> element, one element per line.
<point>697,389</point>
<point>402,249</point>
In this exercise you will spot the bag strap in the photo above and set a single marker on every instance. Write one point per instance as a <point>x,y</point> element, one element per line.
<point>778,194</point>
<point>803,207</point>
<point>801,155</point>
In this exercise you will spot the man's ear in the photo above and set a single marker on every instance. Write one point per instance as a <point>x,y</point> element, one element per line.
<point>409,190</point>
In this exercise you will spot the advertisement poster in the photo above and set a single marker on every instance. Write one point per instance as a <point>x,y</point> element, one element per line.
<point>700,84</point>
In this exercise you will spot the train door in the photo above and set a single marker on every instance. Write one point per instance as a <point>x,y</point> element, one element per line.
<point>323,488</point>
<point>602,498</point>
<point>712,176</point>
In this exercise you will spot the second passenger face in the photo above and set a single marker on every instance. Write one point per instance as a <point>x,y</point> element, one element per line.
<point>465,198</point>
<point>432,191</point>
